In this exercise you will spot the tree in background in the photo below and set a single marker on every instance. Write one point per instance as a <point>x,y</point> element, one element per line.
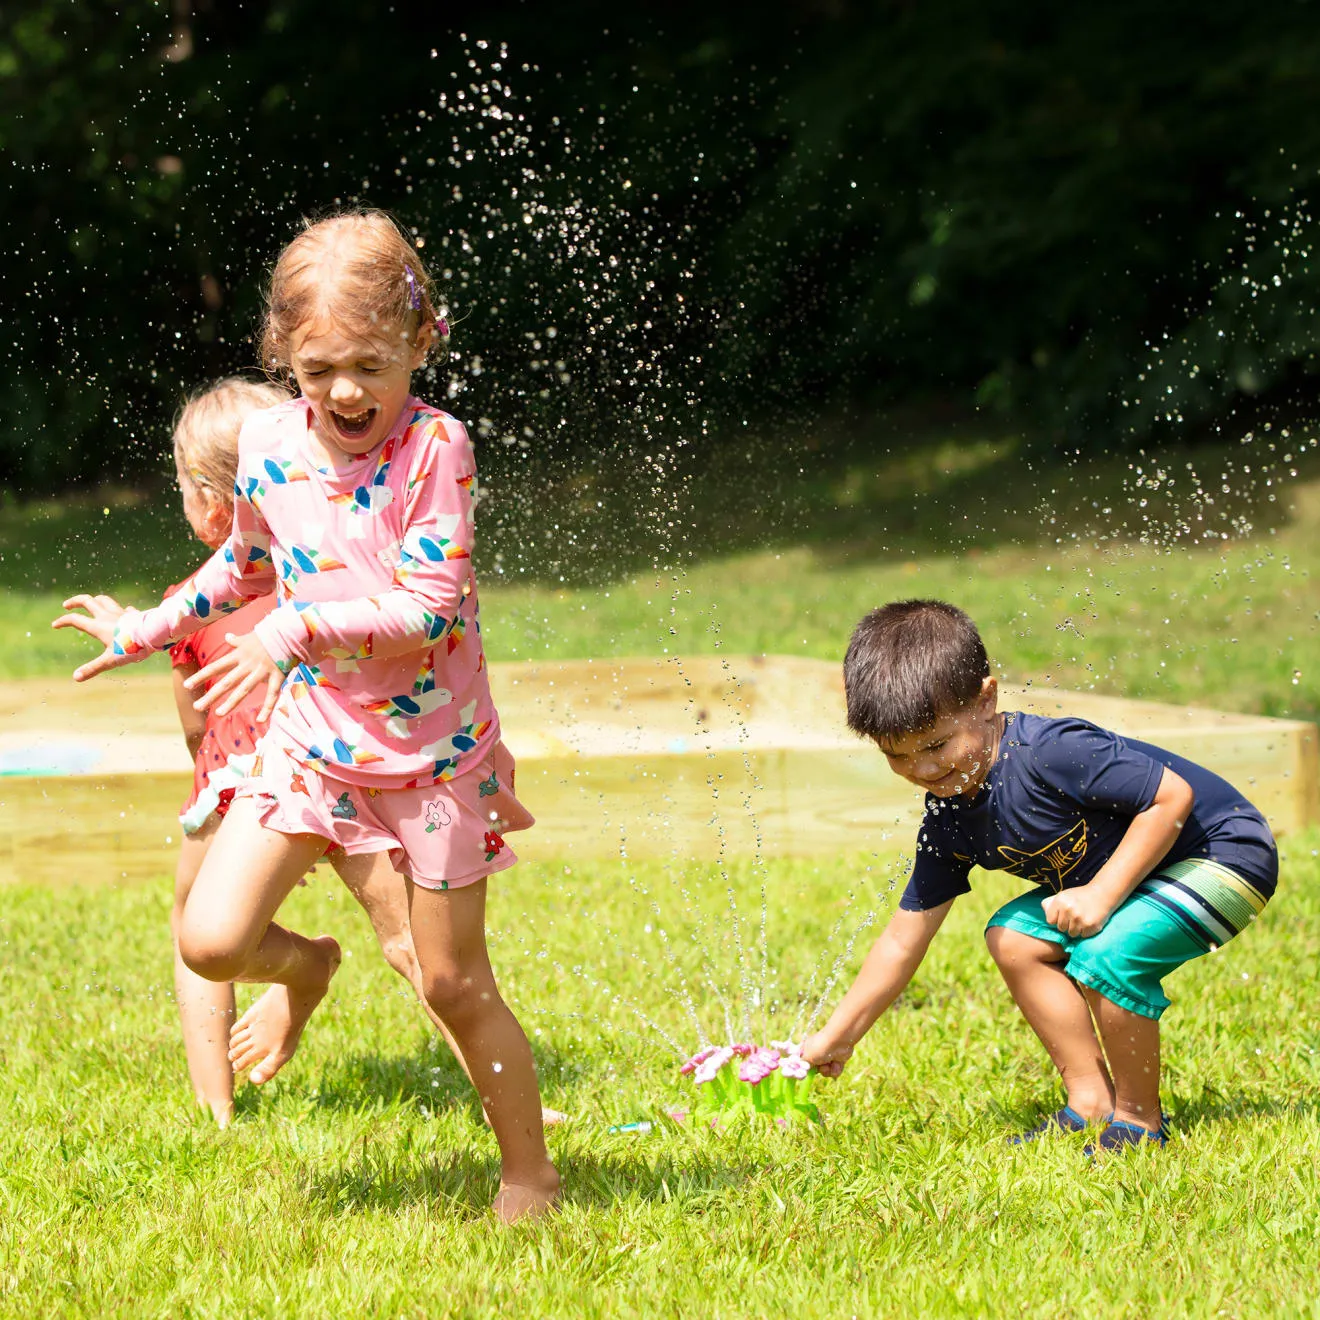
<point>1094,216</point>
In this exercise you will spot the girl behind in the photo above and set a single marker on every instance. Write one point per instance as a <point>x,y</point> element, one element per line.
<point>222,747</point>
<point>355,506</point>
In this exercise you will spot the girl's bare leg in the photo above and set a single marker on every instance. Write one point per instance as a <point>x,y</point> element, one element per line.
<point>449,933</point>
<point>227,933</point>
<point>1057,1012</point>
<point>383,895</point>
<point>1132,1044</point>
<point>206,1008</point>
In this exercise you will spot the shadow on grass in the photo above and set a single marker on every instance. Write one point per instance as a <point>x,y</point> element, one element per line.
<point>371,1083</point>
<point>397,1173</point>
<point>1208,1110</point>
<point>1213,1109</point>
<point>465,1181</point>
<point>903,485</point>
<point>433,1081</point>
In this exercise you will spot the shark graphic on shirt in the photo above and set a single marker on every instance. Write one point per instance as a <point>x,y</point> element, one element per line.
<point>1050,864</point>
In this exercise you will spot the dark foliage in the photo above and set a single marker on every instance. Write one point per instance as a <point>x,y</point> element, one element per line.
<point>854,202</point>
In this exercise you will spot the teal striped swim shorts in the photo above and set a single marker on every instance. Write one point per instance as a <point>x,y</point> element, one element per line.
<point>1182,911</point>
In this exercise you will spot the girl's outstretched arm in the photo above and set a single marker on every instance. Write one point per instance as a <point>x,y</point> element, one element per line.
<point>889,966</point>
<point>101,622</point>
<point>238,572</point>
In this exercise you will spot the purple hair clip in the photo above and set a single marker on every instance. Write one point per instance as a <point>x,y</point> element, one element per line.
<point>414,293</point>
<point>442,327</point>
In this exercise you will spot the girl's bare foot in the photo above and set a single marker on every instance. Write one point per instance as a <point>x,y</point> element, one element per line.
<point>527,1200</point>
<point>265,1038</point>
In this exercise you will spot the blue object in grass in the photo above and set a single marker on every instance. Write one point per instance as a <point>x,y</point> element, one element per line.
<point>1121,1135</point>
<point>1066,1119</point>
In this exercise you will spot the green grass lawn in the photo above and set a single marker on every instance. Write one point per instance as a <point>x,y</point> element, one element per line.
<point>355,1184</point>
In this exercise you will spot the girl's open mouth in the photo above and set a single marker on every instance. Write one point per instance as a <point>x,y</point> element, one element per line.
<point>353,426</point>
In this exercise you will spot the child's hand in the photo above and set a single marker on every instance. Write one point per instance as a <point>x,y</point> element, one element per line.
<point>103,613</point>
<point>1077,912</point>
<point>826,1056</point>
<point>247,666</point>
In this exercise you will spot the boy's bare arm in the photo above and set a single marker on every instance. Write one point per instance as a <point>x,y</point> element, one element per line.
<point>191,720</point>
<point>1083,911</point>
<point>889,966</point>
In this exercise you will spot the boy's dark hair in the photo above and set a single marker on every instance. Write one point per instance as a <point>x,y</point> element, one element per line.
<point>908,664</point>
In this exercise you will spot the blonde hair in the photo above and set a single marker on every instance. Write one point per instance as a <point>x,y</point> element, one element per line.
<point>358,268</point>
<point>206,430</point>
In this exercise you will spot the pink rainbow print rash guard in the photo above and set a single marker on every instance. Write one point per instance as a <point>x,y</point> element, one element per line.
<point>376,622</point>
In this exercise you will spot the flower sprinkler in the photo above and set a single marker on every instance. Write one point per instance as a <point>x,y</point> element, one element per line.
<point>748,1079</point>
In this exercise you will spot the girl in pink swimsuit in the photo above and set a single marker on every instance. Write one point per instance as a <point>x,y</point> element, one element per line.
<point>354,505</point>
<point>224,751</point>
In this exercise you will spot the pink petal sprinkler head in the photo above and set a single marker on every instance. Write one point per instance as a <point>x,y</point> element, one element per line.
<point>746,1079</point>
<point>699,1057</point>
<point>709,1068</point>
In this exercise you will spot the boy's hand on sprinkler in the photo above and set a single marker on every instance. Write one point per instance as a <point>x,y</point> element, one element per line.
<point>1077,912</point>
<point>103,613</point>
<point>827,1057</point>
<point>235,674</point>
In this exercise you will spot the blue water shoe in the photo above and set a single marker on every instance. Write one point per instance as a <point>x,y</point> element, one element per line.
<point>1121,1135</point>
<point>1066,1119</point>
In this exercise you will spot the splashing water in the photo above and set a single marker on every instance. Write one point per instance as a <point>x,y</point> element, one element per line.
<point>591,436</point>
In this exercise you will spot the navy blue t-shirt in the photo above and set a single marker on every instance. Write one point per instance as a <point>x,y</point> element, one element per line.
<point>1059,797</point>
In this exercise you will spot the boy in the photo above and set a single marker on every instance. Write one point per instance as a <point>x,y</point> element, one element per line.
<point>1141,860</point>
